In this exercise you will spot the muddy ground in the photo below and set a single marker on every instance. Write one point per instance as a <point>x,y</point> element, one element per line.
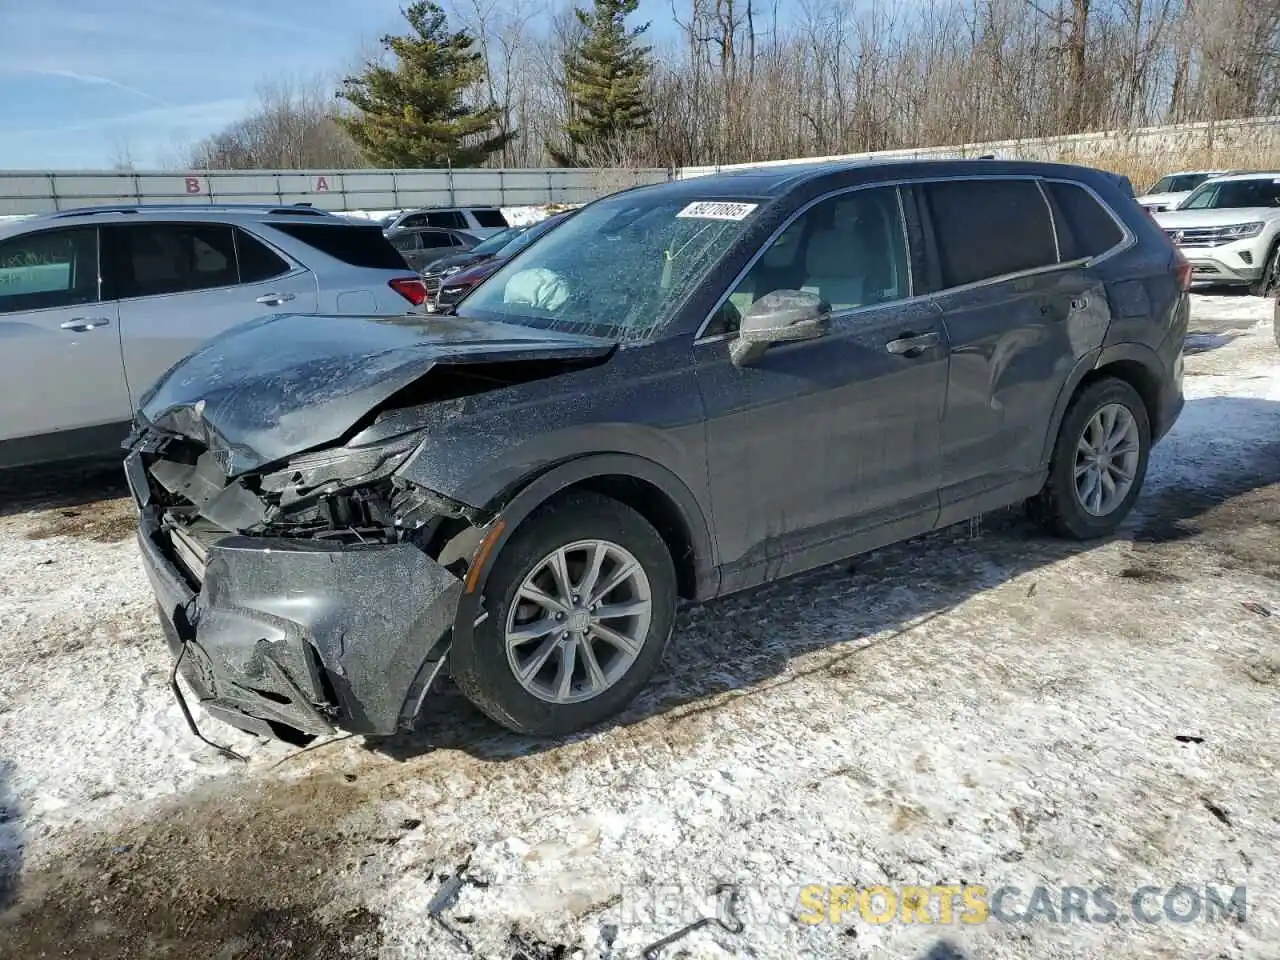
<point>985,705</point>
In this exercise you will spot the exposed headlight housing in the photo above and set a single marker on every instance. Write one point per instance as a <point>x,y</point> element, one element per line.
<point>1241,231</point>
<point>337,468</point>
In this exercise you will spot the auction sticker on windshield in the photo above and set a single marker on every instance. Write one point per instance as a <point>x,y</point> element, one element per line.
<point>717,210</point>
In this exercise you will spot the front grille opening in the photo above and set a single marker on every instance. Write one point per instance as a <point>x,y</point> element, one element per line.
<point>271,695</point>
<point>290,735</point>
<point>322,677</point>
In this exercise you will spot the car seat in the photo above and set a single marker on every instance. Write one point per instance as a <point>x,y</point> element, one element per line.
<point>836,259</point>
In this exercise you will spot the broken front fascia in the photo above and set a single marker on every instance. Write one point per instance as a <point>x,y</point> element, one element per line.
<point>333,609</point>
<point>330,492</point>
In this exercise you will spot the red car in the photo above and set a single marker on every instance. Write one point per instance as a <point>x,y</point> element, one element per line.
<point>461,284</point>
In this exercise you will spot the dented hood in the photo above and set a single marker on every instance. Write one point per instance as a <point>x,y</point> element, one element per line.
<point>284,384</point>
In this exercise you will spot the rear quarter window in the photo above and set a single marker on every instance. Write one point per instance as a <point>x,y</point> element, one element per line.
<point>490,219</point>
<point>354,244</point>
<point>989,228</point>
<point>1085,228</point>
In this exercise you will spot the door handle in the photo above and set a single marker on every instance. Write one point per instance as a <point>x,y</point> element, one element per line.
<point>275,299</point>
<point>911,345</point>
<point>81,324</point>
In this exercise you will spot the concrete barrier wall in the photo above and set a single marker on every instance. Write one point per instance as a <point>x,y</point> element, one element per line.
<point>1259,133</point>
<point>44,192</point>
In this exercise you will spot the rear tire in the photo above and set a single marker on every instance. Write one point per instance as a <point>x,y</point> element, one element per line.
<point>548,659</point>
<point>1099,462</point>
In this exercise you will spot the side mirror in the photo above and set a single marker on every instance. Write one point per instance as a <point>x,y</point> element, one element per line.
<point>779,317</point>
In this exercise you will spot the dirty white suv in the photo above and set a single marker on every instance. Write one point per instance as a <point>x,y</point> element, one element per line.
<point>1229,230</point>
<point>96,304</point>
<point>1171,189</point>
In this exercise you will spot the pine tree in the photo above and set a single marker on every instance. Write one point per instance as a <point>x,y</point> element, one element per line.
<point>415,113</point>
<point>607,74</point>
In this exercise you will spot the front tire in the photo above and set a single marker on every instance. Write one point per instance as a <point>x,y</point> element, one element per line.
<point>1269,280</point>
<point>581,603</point>
<point>1099,462</point>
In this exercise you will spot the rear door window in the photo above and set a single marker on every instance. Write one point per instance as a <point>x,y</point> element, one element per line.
<point>432,240</point>
<point>161,258</point>
<point>256,260</point>
<point>490,218</point>
<point>449,219</point>
<point>52,268</point>
<point>354,244</point>
<point>1085,228</point>
<point>989,228</point>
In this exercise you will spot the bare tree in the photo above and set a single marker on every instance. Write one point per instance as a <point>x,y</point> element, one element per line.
<point>741,80</point>
<point>292,128</point>
<point>122,158</point>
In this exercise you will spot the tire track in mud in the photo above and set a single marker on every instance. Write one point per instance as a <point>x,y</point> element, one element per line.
<point>241,870</point>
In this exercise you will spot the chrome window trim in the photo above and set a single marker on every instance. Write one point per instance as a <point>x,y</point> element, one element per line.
<point>1127,240</point>
<point>906,246</point>
<point>1053,221</point>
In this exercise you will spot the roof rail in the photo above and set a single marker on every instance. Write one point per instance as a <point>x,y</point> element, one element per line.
<point>305,210</point>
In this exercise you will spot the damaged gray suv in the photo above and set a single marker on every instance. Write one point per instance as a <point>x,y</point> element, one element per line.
<point>686,390</point>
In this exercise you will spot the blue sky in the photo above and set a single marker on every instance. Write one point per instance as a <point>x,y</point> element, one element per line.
<point>84,81</point>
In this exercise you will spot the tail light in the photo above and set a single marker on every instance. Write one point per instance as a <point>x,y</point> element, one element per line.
<point>1182,270</point>
<point>411,288</point>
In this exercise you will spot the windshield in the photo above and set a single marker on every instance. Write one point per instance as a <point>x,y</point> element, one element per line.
<point>1179,182</point>
<point>496,242</point>
<point>1223,194</point>
<point>617,269</point>
<point>527,236</point>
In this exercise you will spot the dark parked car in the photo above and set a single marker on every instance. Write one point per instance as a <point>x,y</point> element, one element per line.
<point>685,390</point>
<point>457,262</point>
<point>423,246</point>
<point>446,285</point>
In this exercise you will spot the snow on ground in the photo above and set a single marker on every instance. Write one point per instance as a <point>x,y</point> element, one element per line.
<point>982,706</point>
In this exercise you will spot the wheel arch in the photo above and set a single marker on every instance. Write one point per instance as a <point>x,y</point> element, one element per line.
<point>648,488</point>
<point>1132,363</point>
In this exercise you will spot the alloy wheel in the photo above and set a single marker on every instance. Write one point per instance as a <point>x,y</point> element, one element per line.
<point>578,621</point>
<point>1106,461</point>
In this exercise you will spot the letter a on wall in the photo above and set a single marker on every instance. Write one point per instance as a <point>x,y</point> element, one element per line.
<point>322,184</point>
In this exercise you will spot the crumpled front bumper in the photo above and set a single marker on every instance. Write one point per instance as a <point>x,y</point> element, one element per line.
<point>307,635</point>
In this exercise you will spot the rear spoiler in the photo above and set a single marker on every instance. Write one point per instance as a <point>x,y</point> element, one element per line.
<point>1123,183</point>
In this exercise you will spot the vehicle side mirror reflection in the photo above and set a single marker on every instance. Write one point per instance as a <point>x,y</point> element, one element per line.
<point>779,317</point>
